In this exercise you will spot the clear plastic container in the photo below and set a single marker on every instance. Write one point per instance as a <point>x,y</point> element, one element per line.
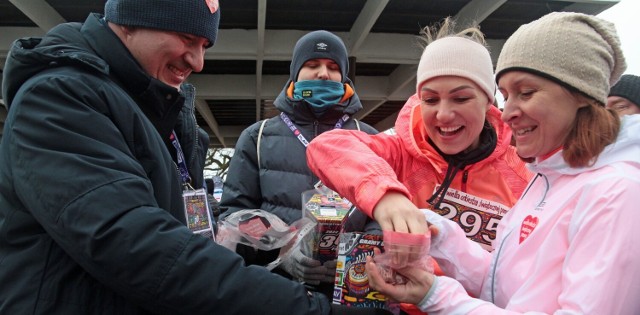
<point>403,250</point>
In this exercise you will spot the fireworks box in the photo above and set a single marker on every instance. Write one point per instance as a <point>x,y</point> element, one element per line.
<point>352,283</point>
<point>327,209</point>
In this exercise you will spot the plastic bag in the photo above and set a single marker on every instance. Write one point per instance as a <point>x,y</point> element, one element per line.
<point>263,231</point>
<point>403,250</point>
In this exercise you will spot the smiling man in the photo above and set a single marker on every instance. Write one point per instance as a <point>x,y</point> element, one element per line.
<point>99,153</point>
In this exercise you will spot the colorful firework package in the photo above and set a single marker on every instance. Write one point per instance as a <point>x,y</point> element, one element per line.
<point>327,209</point>
<point>399,250</point>
<point>352,283</point>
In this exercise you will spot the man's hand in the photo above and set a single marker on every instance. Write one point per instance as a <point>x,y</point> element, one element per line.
<point>305,269</point>
<point>330,277</point>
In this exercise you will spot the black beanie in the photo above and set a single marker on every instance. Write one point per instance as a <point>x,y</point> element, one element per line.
<point>184,16</point>
<point>319,45</point>
<point>628,87</point>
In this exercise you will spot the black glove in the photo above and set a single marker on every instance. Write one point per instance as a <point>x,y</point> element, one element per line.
<point>337,309</point>
<point>306,269</point>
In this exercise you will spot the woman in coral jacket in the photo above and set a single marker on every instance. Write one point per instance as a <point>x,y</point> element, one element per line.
<point>451,152</point>
<point>568,245</point>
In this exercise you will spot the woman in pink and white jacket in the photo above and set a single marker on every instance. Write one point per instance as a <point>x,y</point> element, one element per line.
<point>568,246</point>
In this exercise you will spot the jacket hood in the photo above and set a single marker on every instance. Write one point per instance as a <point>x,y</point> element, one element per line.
<point>410,128</point>
<point>626,148</point>
<point>29,56</point>
<point>300,109</point>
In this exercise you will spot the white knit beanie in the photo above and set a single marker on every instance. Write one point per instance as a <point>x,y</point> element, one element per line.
<point>457,56</point>
<point>575,49</point>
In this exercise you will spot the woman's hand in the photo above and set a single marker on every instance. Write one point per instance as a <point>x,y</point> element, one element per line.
<point>417,285</point>
<point>395,212</point>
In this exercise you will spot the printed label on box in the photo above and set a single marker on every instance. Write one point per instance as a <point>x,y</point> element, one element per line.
<point>327,209</point>
<point>352,283</point>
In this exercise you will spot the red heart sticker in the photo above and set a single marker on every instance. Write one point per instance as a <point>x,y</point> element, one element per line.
<point>528,225</point>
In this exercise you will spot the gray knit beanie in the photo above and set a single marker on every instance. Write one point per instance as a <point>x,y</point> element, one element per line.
<point>196,17</point>
<point>574,49</point>
<point>628,87</point>
<point>319,45</point>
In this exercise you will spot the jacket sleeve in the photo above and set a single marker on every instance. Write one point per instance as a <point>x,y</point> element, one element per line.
<point>600,272</point>
<point>242,186</point>
<point>78,177</point>
<point>457,256</point>
<point>357,165</point>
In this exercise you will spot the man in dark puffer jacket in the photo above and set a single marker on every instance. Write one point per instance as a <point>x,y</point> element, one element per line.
<point>91,211</point>
<point>318,97</point>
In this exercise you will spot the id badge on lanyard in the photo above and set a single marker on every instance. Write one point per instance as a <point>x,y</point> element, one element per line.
<point>196,209</point>
<point>196,206</point>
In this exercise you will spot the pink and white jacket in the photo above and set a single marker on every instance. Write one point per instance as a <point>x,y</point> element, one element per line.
<point>568,246</point>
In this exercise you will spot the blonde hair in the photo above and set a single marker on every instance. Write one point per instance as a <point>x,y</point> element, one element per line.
<point>447,28</point>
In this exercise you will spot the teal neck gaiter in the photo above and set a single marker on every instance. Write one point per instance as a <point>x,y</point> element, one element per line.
<point>320,94</point>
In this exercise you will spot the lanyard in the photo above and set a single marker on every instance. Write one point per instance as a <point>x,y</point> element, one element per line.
<point>297,132</point>
<point>182,165</point>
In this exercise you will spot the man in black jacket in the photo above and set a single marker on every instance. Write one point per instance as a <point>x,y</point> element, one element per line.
<point>99,146</point>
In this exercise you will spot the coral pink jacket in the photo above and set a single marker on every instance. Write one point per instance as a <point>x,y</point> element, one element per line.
<point>363,167</point>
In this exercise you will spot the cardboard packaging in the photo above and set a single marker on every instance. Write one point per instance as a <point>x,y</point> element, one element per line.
<point>327,209</point>
<point>352,283</point>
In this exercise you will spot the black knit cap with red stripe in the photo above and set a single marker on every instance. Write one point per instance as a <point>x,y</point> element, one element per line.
<point>193,17</point>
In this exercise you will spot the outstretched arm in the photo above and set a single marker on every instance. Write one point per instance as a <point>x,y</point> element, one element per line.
<point>363,168</point>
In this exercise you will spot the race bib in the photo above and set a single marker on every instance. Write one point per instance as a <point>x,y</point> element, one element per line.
<point>478,217</point>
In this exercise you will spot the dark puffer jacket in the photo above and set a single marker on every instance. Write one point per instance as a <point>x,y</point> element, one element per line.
<point>91,213</point>
<point>276,185</point>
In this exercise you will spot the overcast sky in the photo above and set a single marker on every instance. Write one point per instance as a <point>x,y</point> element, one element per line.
<point>626,16</point>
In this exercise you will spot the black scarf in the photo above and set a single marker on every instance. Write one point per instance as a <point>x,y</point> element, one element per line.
<point>456,162</point>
